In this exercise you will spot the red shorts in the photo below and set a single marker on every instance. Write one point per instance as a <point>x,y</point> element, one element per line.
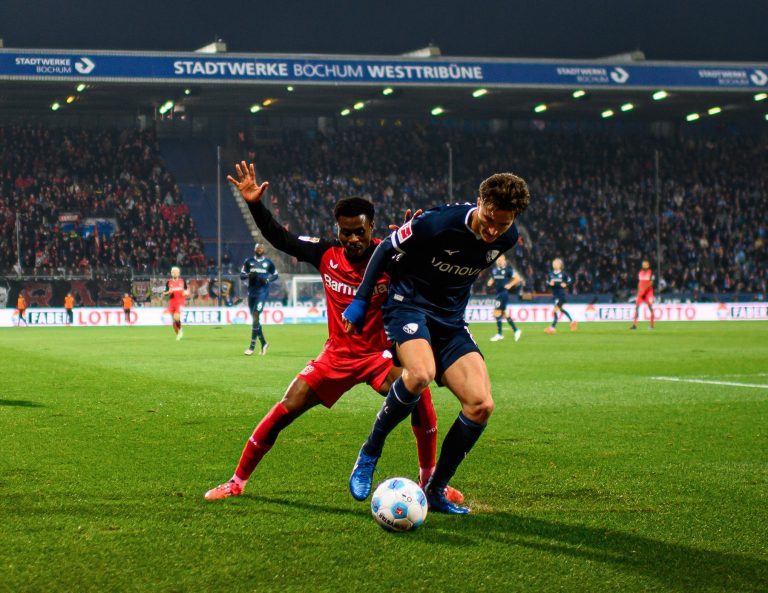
<point>331,377</point>
<point>645,297</point>
<point>174,308</point>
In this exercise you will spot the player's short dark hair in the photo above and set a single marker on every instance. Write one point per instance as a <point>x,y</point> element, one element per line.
<point>353,206</point>
<point>505,191</point>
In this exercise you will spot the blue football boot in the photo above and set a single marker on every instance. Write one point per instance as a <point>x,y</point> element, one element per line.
<point>440,504</point>
<point>361,479</point>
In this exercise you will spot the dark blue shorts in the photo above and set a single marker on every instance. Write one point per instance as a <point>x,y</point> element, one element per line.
<point>449,340</point>
<point>501,302</point>
<point>560,300</point>
<point>256,304</point>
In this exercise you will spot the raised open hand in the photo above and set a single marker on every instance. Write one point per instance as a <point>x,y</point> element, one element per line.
<point>246,183</point>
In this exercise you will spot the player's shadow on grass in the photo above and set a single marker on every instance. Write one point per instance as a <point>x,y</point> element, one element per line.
<point>20,403</point>
<point>681,567</point>
<point>362,511</point>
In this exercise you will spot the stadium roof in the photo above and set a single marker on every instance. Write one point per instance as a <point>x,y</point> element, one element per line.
<point>32,81</point>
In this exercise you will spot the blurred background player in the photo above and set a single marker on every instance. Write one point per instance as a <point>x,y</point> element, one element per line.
<point>258,271</point>
<point>644,291</point>
<point>503,278</point>
<point>177,291</point>
<point>21,307</point>
<point>437,258</point>
<point>127,306</point>
<point>559,281</point>
<point>345,361</point>
<point>69,304</point>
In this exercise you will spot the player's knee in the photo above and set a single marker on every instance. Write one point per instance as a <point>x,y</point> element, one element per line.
<point>480,411</point>
<point>418,379</point>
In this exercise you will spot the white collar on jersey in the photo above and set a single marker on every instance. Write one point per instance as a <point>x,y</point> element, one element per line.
<point>468,223</point>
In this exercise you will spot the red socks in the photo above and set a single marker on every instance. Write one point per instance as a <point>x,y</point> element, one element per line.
<point>261,441</point>
<point>424,426</point>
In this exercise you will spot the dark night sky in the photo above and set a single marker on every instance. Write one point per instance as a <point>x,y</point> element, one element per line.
<point>676,30</point>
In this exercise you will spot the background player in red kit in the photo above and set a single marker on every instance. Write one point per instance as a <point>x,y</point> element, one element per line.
<point>644,291</point>
<point>344,362</point>
<point>177,291</point>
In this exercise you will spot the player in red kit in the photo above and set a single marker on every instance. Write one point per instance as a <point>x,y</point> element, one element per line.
<point>644,291</point>
<point>177,292</point>
<point>344,362</point>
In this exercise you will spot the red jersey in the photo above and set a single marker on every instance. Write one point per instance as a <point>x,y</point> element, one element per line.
<point>341,278</point>
<point>176,288</point>
<point>645,280</point>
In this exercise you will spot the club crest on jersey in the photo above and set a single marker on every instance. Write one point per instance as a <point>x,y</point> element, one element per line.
<point>411,328</point>
<point>492,255</point>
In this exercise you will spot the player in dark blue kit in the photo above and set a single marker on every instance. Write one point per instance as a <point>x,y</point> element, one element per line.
<point>559,281</point>
<point>258,271</point>
<point>433,260</point>
<point>503,278</point>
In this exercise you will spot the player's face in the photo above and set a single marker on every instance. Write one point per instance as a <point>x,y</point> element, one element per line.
<point>502,261</point>
<point>259,251</point>
<point>175,273</point>
<point>492,223</point>
<point>646,265</point>
<point>354,233</point>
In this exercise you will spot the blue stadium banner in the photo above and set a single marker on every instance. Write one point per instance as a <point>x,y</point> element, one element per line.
<point>143,67</point>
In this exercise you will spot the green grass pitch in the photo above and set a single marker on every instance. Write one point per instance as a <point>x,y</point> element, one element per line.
<point>592,475</point>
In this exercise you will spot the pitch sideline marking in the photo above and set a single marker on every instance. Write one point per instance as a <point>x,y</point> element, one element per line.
<point>707,382</point>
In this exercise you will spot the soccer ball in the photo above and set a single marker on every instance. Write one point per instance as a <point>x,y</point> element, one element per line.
<point>398,504</point>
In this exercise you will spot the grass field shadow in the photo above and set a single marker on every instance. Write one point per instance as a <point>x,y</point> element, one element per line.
<point>683,568</point>
<point>20,403</point>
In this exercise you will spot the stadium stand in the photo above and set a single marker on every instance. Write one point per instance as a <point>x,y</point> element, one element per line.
<point>94,200</point>
<point>90,201</point>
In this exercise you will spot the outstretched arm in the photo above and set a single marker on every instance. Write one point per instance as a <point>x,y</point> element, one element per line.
<point>309,249</point>
<point>354,315</point>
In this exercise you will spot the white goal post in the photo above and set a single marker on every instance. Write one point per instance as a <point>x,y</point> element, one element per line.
<point>306,287</point>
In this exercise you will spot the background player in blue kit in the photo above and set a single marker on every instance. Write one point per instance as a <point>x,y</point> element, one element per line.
<point>560,282</point>
<point>437,258</point>
<point>503,278</point>
<point>258,271</point>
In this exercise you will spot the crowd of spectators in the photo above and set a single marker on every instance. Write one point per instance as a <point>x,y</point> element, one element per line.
<point>593,204</point>
<point>594,198</point>
<point>53,179</point>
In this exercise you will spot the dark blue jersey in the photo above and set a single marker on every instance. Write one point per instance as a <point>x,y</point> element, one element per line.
<point>259,272</point>
<point>559,278</point>
<point>502,277</point>
<point>438,259</point>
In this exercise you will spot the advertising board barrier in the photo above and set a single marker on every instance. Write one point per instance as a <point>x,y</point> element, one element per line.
<point>282,315</point>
